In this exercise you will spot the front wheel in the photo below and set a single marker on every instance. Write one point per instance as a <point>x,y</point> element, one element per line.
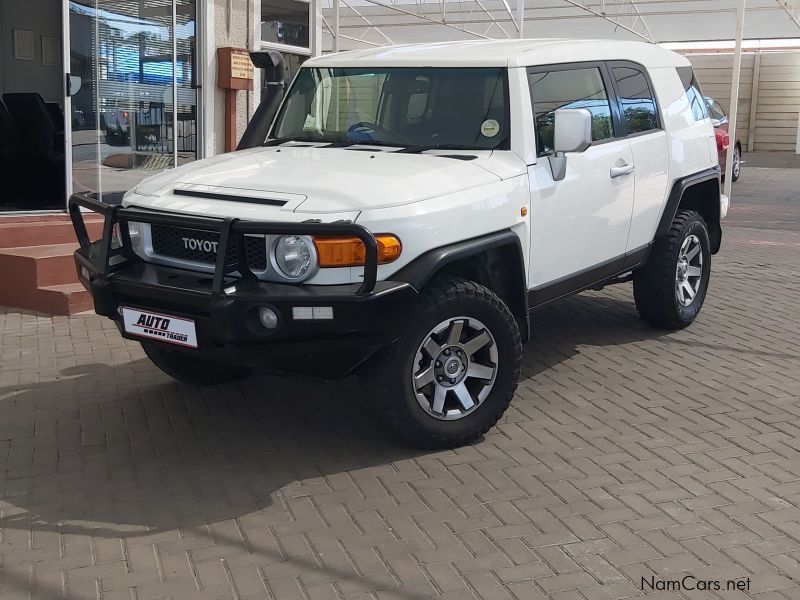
<point>453,373</point>
<point>192,368</point>
<point>670,289</point>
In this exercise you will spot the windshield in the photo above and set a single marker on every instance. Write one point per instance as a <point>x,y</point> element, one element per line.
<point>407,107</point>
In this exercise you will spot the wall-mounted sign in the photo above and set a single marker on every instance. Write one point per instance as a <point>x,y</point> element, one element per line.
<point>234,72</point>
<point>241,65</point>
<point>235,69</point>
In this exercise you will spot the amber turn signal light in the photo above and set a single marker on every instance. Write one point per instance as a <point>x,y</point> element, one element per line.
<point>350,251</point>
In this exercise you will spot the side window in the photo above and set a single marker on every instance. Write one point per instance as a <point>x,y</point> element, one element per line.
<point>638,106</point>
<point>575,88</point>
<point>693,94</point>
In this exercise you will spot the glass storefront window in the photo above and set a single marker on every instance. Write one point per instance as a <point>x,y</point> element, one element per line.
<point>285,22</point>
<point>132,63</point>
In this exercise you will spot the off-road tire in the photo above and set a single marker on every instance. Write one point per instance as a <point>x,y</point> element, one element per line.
<point>654,284</point>
<point>192,368</point>
<point>388,378</point>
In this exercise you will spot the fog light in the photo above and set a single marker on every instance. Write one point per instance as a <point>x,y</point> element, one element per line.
<point>268,317</point>
<point>309,313</point>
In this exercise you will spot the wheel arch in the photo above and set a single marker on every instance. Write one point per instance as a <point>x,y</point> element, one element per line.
<point>699,192</point>
<point>495,261</point>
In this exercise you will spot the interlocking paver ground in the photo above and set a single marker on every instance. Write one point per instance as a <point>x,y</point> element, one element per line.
<point>628,454</point>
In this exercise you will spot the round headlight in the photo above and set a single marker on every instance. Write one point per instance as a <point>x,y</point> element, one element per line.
<point>294,256</point>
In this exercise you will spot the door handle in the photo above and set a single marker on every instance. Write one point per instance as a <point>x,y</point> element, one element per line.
<point>624,169</point>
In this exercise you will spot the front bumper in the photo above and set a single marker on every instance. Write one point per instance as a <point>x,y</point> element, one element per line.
<point>367,317</point>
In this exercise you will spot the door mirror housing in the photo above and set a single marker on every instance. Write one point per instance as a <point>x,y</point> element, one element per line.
<point>572,133</point>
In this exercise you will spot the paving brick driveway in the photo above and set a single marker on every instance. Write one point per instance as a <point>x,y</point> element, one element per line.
<point>628,453</point>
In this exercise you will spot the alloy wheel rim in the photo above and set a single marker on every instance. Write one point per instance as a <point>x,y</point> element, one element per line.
<point>455,368</point>
<point>689,270</point>
<point>737,159</point>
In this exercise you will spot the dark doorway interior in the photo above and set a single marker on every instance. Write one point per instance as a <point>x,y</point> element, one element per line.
<point>32,168</point>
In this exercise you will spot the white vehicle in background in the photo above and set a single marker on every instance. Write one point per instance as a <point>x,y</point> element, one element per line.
<point>408,209</point>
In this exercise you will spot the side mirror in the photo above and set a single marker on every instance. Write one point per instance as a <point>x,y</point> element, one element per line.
<point>572,133</point>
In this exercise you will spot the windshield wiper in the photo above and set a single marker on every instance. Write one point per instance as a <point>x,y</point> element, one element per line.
<point>279,141</point>
<point>425,148</point>
<point>418,149</point>
<point>348,143</point>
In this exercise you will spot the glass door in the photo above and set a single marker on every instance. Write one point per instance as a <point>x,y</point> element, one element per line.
<point>133,102</point>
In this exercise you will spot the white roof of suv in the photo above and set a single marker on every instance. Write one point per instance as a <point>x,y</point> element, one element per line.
<point>502,53</point>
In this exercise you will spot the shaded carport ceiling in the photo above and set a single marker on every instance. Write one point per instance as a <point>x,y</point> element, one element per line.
<point>384,22</point>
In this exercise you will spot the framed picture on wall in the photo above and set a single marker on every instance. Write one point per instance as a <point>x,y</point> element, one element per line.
<point>51,51</point>
<point>23,44</point>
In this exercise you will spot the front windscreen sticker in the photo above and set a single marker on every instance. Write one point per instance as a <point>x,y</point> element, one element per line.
<point>490,128</point>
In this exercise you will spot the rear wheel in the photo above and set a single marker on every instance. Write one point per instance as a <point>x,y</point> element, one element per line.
<point>670,289</point>
<point>736,168</point>
<point>192,368</point>
<point>453,373</point>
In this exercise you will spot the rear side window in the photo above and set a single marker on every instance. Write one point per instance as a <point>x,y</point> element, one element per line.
<point>693,94</point>
<point>638,105</point>
<point>574,88</point>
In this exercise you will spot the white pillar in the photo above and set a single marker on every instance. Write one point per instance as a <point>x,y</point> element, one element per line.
<point>316,27</point>
<point>521,18</point>
<point>751,135</point>
<point>797,143</point>
<point>734,108</point>
<point>335,25</point>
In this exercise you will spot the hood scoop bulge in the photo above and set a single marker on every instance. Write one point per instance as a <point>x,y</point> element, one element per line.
<point>229,197</point>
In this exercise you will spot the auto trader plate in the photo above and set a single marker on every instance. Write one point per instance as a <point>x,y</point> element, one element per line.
<point>156,326</point>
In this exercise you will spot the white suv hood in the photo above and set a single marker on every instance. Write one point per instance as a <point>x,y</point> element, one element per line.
<point>317,179</point>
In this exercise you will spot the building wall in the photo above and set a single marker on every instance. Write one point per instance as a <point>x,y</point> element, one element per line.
<point>777,98</point>
<point>778,102</point>
<point>231,23</point>
<point>43,17</point>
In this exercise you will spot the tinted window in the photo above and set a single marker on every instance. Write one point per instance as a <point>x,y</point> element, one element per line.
<point>638,106</point>
<point>578,88</point>
<point>285,22</point>
<point>693,93</point>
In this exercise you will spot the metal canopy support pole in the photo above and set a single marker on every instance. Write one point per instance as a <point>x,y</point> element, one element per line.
<point>521,18</point>
<point>335,25</point>
<point>734,108</point>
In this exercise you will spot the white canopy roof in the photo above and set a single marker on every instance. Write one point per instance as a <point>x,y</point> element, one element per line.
<point>364,23</point>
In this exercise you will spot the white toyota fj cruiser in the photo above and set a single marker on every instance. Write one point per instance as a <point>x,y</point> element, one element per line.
<point>408,209</point>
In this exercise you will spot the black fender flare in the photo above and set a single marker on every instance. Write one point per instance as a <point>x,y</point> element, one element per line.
<point>425,267</point>
<point>679,187</point>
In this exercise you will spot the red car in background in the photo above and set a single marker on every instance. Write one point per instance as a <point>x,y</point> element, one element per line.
<point>719,118</point>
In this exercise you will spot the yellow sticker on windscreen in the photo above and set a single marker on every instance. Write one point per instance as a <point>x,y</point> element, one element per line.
<point>490,128</point>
